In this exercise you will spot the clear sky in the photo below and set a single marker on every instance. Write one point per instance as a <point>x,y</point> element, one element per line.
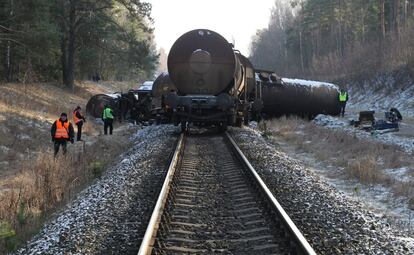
<point>236,20</point>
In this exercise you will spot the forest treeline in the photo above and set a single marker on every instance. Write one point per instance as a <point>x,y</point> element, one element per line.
<point>64,40</point>
<point>333,39</point>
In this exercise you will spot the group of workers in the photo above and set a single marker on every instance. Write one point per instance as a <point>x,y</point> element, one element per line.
<point>62,130</point>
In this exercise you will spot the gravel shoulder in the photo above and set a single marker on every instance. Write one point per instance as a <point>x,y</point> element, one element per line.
<point>333,223</point>
<point>112,214</point>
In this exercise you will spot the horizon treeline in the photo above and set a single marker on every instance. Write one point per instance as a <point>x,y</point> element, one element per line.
<point>334,39</point>
<point>68,40</point>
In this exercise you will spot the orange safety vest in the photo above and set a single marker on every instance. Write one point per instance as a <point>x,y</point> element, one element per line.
<point>62,131</point>
<point>75,119</point>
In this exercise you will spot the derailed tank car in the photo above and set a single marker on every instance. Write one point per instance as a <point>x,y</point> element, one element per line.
<point>283,96</point>
<point>161,88</point>
<point>162,85</point>
<point>96,104</point>
<point>212,80</point>
<point>133,105</point>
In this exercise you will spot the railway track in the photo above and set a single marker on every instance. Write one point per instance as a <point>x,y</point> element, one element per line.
<point>212,201</point>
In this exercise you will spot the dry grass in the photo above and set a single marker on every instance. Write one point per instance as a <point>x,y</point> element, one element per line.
<point>32,184</point>
<point>365,169</point>
<point>45,184</point>
<point>45,101</point>
<point>283,126</point>
<point>357,159</point>
<point>26,113</point>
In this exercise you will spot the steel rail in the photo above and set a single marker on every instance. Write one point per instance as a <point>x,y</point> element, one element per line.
<point>297,240</point>
<point>294,232</point>
<point>151,232</point>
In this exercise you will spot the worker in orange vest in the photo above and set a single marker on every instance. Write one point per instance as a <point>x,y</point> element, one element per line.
<point>62,132</point>
<point>79,119</point>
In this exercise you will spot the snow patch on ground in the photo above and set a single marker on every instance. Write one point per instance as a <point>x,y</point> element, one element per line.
<point>406,143</point>
<point>376,198</point>
<point>4,149</point>
<point>23,137</point>
<point>409,241</point>
<point>403,174</point>
<point>4,163</point>
<point>383,92</point>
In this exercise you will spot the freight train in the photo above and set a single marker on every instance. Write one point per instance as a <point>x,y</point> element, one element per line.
<point>213,81</point>
<point>209,83</point>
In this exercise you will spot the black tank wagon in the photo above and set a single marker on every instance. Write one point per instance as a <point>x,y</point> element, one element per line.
<point>283,96</point>
<point>213,80</point>
<point>96,104</point>
<point>162,85</point>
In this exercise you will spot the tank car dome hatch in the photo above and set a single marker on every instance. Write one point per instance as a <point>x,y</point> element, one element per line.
<point>268,76</point>
<point>201,62</point>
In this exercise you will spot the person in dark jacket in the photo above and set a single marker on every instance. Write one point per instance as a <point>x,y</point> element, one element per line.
<point>123,107</point>
<point>108,118</point>
<point>62,132</point>
<point>79,119</point>
<point>397,113</point>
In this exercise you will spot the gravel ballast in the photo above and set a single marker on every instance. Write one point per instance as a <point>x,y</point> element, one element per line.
<point>332,223</point>
<point>111,216</point>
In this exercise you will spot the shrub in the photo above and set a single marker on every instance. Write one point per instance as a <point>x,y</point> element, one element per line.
<point>8,237</point>
<point>96,168</point>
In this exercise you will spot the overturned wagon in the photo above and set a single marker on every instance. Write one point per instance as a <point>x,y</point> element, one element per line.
<point>283,96</point>
<point>134,105</point>
<point>162,85</point>
<point>96,103</point>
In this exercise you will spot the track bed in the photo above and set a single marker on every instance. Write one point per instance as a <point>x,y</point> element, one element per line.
<point>215,206</point>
